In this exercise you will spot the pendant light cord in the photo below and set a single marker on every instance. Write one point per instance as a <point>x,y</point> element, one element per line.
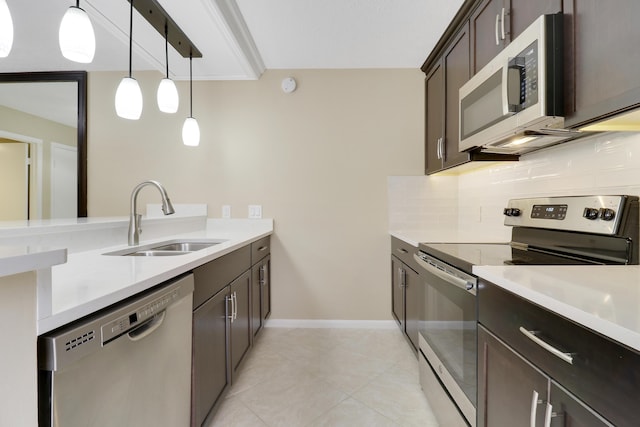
<point>190,84</point>
<point>78,4</point>
<point>166,46</point>
<point>130,35</point>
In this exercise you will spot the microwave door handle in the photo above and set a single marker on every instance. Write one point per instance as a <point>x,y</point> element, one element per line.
<point>506,110</point>
<point>513,82</point>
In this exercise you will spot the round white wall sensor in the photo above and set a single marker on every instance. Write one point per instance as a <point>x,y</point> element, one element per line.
<point>288,84</point>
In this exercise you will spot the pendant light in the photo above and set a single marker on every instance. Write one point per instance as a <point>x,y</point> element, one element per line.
<point>76,37</point>
<point>168,99</point>
<point>129,95</point>
<point>190,129</point>
<point>6,30</point>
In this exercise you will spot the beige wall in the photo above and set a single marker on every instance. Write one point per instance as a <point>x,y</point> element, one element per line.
<point>317,160</point>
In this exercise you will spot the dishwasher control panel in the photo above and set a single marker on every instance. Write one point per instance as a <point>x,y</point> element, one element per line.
<point>137,317</point>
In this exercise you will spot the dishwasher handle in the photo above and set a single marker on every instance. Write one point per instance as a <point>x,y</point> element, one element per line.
<point>148,327</point>
<point>467,285</point>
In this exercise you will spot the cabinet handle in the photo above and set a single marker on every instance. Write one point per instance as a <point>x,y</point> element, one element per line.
<point>263,275</point>
<point>548,414</point>
<point>532,335</point>
<point>262,248</point>
<point>502,24</point>
<point>534,404</point>
<point>230,300</point>
<point>235,306</point>
<point>497,23</point>
<point>400,278</point>
<point>440,149</point>
<point>402,250</point>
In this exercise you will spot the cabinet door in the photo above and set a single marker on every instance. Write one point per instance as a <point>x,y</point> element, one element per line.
<point>506,386</point>
<point>397,292</point>
<point>240,323</point>
<point>456,68</point>
<point>486,40</point>
<point>570,412</point>
<point>256,299</point>
<point>434,118</point>
<point>601,45</point>
<point>210,376</point>
<point>524,12</point>
<point>412,305</point>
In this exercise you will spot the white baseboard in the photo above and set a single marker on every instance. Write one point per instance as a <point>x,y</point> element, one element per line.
<point>335,324</point>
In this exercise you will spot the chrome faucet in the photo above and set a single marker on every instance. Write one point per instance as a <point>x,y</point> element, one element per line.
<point>135,219</point>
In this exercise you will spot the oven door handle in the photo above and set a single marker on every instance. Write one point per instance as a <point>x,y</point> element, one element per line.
<point>456,281</point>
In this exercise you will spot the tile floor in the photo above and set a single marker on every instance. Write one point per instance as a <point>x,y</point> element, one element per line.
<point>327,378</point>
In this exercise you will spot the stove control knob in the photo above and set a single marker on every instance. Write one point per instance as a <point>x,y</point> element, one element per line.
<point>607,214</point>
<point>515,212</point>
<point>590,213</point>
<point>507,211</point>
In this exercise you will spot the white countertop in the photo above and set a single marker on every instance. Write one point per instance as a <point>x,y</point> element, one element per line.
<point>90,281</point>
<point>20,259</point>
<point>605,299</point>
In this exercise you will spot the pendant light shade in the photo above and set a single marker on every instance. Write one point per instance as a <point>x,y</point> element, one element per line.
<point>168,99</point>
<point>129,95</point>
<point>190,128</point>
<point>76,36</point>
<point>6,30</point>
<point>129,99</point>
<point>191,132</point>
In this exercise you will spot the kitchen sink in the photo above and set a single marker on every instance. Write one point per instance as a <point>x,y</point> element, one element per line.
<point>168,248</point>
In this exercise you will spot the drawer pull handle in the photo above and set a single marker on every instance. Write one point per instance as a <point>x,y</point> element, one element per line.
<point>567,357</point>
<point>403,251</point>
<point>534,405</point>
<point>262,248</point>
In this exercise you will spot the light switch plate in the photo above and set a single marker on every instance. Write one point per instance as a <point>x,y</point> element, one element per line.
<point>226,211</point>
<point>255,211</point>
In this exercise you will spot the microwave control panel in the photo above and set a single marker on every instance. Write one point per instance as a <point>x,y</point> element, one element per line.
<point>523,79</point>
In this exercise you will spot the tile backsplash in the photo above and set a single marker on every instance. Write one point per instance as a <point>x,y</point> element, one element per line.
<point>469,206</point>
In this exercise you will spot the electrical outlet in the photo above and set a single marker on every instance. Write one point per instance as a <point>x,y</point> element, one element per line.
<point>226,211</point>
<point>255,211</point>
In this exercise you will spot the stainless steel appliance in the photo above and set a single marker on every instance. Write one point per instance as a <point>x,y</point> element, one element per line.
<point>515,103</point>
<point>125,366</point>
<point>585,230</point>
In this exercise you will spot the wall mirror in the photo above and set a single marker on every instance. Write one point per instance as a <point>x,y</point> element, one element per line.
<point>43,145</point>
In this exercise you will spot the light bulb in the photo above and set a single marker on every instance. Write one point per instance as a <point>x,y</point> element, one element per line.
<point>168,99</point>
<point>129,99</point>
<point>6,30</point>
<point>76,36</point>
<point>191,132</point>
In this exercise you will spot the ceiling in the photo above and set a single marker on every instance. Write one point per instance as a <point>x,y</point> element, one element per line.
<point>239,39</point>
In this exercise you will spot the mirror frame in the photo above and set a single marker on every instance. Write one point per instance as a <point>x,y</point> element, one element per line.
<point>80,77</point>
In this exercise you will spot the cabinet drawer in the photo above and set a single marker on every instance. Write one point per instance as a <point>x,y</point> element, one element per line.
<point>216,274</point>
<point>404,252</point>
<point>603,374</point>
<point>260,249</point>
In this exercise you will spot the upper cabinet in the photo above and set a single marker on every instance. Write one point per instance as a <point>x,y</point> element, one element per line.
<point>494,23</point>
<point>602,59</point>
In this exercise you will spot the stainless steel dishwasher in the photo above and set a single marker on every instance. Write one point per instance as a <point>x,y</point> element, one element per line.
<point>129,365</point>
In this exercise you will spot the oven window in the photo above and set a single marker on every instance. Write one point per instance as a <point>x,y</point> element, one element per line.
<point>482,107</point>
<point>448,325</point>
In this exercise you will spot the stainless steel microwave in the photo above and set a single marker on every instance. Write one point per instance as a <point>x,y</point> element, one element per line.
<point>515,103</point>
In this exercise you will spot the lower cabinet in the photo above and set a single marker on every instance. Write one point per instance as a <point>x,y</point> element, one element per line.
<point>405,290</point>
<point>512,392</point>
<point>260,293</point>
<point>223,325</point>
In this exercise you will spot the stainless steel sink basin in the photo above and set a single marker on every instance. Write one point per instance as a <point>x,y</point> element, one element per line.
<point>168,248</point>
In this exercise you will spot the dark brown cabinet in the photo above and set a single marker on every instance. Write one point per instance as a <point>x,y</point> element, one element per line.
<point>602,60</point>
<point>239,320</point>
<point>512,392</point>
<point>260,284</point>
<point>494,23</point>
<point>405,290</point>
<point>442,85</point>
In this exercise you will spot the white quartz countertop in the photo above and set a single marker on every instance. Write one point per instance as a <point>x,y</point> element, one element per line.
<point>90,281</point>
<point>20,259</point>
<point>605,299</point>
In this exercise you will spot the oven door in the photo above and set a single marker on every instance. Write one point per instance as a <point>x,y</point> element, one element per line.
<point>448,330</point>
